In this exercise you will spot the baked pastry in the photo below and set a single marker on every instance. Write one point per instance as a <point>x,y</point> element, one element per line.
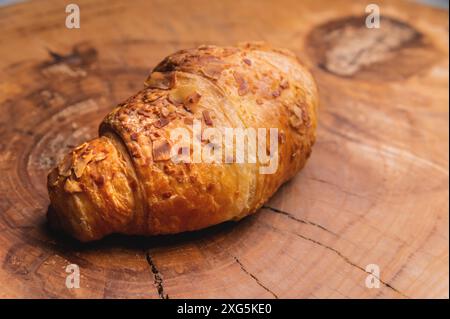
<point>131,181</point>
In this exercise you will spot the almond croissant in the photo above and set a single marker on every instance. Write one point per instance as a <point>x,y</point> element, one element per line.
<point>126,182</point>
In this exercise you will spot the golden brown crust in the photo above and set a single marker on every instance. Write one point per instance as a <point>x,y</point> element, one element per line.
<point>134,187</point>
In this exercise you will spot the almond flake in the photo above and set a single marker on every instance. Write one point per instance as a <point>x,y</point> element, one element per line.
<point>81,163</point>
<point>207,118</point>
<point>72,186</point>
<point>212,71</point>
<point>165,112</point>
<point>297,111</point>
<point>134,136</point>
<point>152,96</point>
<point>242,84</point>
<point>144,113</point>
<point>65,166</point>
<point>81,146</point>
<point>161,122</point>
<point>161,150</point>
<point>191,100</point>
<point>100,157</point>
<point>159,80</point>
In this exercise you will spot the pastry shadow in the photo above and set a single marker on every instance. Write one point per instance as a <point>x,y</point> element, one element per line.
<point>138,242</point>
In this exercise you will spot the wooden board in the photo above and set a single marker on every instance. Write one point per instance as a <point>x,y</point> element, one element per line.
<point>375,190</point>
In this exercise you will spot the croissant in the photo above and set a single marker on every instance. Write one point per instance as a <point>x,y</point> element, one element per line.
<point>130,180</point>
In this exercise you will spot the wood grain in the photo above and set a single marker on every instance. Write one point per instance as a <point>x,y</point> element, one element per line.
<point>375,190</point>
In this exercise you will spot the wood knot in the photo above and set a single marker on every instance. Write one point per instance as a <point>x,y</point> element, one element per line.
<point>347,48</point>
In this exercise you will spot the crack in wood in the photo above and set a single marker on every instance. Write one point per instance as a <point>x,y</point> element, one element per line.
<point>348,261</point>
<point>336,186</point>
<point>254,278</point>
<point>303,221</point>
<point>337,252</point>
<point>157,277</point>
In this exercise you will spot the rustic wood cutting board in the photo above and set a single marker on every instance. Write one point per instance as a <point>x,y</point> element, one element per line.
<point>375,191</point>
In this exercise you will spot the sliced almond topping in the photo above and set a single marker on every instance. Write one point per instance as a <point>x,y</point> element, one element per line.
<point>81,163</point>
<point>72,186</point>
<point>165,112</point>
<point>81,146</point>
<point>161,122</point>
<point>191,100</point>
<point>86,152</point>
<point>242,84</point>
<point>161,150</point>
<point>212,71</point>
<point>144,113</point>
<point>159,80</point>
<point>152,96</point>
<point>207,118</point>
<point>65,166</point>
<point>134,136</point>
<point>297,111</point>
<point>100,157</point>
<point>247,61</point>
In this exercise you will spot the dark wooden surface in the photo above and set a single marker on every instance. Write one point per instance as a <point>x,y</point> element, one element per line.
<point>375,190</point>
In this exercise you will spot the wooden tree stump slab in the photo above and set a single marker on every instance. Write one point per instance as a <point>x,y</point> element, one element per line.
<point>375,190</point>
